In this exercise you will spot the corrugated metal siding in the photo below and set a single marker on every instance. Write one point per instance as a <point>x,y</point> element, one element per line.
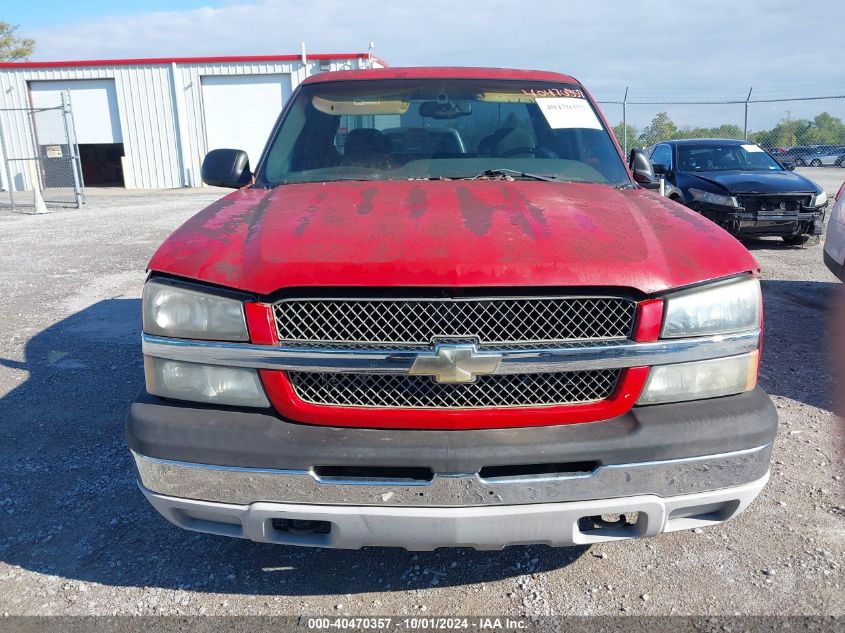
<point>153,101</point>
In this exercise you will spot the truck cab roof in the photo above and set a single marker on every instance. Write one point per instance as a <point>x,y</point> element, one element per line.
<point>444,72</point>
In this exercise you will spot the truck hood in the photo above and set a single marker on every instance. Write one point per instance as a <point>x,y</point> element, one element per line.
<point>739,182</point>
<point>449,234</point>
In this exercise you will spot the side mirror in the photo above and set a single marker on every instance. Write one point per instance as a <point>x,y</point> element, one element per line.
<point>659,168</point>
<point>642,169</point>
<point>226,168</point>
<point>789,166</point>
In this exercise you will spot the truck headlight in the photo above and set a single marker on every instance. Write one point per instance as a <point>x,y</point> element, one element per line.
<point>702,379</point>
<point>714,198</point>
<point>720,308</point>
<point>819,200</point>
<point>182,313</point>
<point>235,386</point>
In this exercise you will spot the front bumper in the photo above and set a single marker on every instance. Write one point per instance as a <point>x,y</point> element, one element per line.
<point>808,221</point>
<point>244,486</point>
<point>480,527</point>
<point>232,472</point>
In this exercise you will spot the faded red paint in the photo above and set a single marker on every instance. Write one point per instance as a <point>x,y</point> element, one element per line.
<point>449,234</point>
<point>649,321</point>
<point>284,399</point>
<point>441,72</point>
<point>261,323</point>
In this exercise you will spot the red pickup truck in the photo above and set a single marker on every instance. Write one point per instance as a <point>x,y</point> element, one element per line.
<point>441,310</point>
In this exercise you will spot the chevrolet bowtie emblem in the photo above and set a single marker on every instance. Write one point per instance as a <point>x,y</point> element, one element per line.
<point>455,363</point>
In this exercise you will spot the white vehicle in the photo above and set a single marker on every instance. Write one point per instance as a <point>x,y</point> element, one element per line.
<point>834,241</point>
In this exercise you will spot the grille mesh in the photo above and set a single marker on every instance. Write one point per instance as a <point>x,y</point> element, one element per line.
<point>506,390</point>
<point>493,322</point>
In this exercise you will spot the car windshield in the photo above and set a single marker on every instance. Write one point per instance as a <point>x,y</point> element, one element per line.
<point>745,157</point>
<point>403,129</point>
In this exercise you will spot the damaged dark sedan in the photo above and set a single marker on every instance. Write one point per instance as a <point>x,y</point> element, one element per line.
<point>740,187</point>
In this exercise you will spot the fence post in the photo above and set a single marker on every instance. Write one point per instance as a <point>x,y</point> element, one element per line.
<point>5,151</point>
<point>747,99</point>
<point>625,122</point>
<point>71,148</point>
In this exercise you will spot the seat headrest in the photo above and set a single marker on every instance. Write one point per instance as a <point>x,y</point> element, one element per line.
<point>366,141</point>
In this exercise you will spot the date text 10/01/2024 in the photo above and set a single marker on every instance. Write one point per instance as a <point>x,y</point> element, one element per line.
<point>416,623</point>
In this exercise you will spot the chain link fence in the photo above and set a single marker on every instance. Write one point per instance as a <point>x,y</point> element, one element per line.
<point>798,131</point>
<point>46,172</point>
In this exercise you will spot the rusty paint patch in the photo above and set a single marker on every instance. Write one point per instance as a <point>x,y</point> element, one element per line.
<point>309,213</point>
<point>367,196</point>
<point>257,213</point>
<point>529,217</point>
<point>477,215</point>
<point>417,202</point>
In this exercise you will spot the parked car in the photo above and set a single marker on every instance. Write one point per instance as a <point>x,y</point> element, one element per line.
<point>739,186</point>
<point>834,241</point>
<point>514,343</point>
<point>826,156</point>
<point>798,156</point>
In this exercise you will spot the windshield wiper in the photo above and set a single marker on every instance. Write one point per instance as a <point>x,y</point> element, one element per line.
<point>514,173</point>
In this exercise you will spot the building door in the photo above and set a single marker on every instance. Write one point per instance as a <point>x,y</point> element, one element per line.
<point>97,122</point>
<point>240,110</point>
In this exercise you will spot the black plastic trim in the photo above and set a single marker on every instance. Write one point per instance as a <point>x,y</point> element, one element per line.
<point>259,439</point>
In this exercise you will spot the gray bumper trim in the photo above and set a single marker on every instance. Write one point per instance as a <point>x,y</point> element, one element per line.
<point>481,527</point>
<point>226,484</point>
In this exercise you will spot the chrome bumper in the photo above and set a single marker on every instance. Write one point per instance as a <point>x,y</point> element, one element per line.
<point>243,486</point>
<point>555,524</point>
<point>615,354</point>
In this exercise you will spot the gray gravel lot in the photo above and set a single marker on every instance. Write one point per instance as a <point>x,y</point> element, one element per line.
<point>77,537</point>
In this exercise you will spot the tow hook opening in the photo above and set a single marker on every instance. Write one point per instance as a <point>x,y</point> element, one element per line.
<point>364,474</point>
<point>615,523</point>
<point>301,527</point>
<point>574,469</point>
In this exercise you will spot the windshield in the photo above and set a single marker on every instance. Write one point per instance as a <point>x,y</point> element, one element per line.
<point>403,129</point>
<point>746,157</point>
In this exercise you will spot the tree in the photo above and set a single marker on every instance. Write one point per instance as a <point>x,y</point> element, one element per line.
<point>825,130</point>
<point>627,133</point>
<point>661,128</point>
<point>12,47</point>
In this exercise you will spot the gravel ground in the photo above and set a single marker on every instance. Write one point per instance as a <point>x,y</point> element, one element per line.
<point>77,537</point>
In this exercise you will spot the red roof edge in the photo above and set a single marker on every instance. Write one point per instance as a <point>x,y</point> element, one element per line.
<point>152,61</point>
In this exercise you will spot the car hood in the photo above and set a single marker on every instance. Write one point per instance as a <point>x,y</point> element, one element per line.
<point>449,234</point>
<point>738,182</point>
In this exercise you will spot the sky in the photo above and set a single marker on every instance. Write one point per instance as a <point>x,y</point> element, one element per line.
<point>668,50</point>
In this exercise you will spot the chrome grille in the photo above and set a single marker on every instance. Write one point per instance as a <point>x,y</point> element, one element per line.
<point>499,322</point>
<point>422,392</point>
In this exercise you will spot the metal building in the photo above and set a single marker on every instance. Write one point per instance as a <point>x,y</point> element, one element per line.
<point>148,123</point>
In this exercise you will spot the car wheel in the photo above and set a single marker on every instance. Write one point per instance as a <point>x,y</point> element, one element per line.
<point>795,240</point>
<point>815,163</point>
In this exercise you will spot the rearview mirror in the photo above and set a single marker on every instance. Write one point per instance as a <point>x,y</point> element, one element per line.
<point>226,168</point>
<point>445,110</point>
<point>642,169</point>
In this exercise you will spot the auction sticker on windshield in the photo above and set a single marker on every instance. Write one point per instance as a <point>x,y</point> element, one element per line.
<point>751,148</point>
<point>568,112</point>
